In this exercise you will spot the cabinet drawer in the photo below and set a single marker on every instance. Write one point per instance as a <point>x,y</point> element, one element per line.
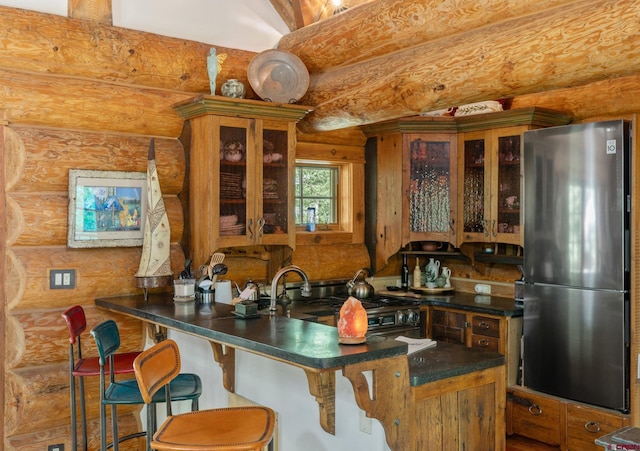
<point>484,342</point>
<point>536,417</point>
<point>585,424</point>
<point>482,325</point>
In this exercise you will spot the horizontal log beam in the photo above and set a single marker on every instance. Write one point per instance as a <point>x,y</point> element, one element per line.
<point>580,43</point>
<point>385,26</point>
<point>50,44</point>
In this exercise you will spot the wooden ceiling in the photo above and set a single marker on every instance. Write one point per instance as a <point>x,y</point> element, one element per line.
<point>385,59</point>
<point>300,13</point>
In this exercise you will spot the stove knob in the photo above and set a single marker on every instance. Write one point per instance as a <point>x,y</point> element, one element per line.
<point>401,317</point>
<point>413,316</point>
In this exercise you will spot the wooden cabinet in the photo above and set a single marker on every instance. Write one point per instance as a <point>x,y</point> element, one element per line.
<point>559,422</point>
<point>430,187</point>
<point>478,330</point>
<point>585,424</point>
<point>491,185</point>
<point>485,333</point>
<point>490,172</point>
<point>534,416</point>
<point>460,179</point>
<point>448,326</point>
<point>241,163</point>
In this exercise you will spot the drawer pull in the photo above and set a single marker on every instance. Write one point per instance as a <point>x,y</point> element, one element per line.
<point>534,409</point>
<point>592,427</point>
<point>484,325</point>
<point>483,342</point>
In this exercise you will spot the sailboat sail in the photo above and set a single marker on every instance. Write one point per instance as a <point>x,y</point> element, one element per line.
<point>156,249</point>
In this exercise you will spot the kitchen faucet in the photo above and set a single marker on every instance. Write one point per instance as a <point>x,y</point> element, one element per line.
<point>305,290</point>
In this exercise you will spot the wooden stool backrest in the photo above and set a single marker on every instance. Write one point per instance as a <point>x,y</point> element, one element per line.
<point>156,367</point>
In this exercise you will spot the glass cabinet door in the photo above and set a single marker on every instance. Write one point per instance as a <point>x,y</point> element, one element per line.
<point>508,192</point>
<point>491,185</point>
<point>274,222</point>
<point>475,208</point>
<point>432,191</point>
<point>233,181</point>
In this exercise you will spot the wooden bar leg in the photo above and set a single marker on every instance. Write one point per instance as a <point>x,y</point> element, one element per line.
<point>226,358</point>
<point>322,385</point>
<point>390,401</point>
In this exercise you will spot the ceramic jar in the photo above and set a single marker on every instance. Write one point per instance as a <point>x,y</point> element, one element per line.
<point>233,88</point>
<point>432,269</point>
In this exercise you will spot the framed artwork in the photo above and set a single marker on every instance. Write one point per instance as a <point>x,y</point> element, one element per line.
<point>106,208</point>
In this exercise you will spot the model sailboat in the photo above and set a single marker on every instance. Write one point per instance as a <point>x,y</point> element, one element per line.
<point>155,262</point>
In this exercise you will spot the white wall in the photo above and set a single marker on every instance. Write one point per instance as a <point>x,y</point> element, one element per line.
<point>285,389</point>
<point>251,25</point>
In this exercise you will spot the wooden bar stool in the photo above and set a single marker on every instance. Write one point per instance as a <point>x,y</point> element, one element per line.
<point>184,387</point>
<point>81,367</point>
<point>228,429</point>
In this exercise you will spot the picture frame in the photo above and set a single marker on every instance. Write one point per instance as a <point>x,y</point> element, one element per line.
<point>106,208</point>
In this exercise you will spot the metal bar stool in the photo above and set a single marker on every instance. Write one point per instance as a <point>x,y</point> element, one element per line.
<point>228,429</point>
<point>81,367</point>
<point>185,386</point>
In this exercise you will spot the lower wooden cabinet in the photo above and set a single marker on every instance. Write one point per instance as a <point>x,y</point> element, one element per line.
<point>559,422</point>
<point>585,424</point>
<point>534,416</point>
<point>481,331</point>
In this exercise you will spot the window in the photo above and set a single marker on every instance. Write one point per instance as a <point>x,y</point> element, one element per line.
<point>317,186</point>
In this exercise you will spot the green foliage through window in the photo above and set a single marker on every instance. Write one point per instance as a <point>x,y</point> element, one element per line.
<point>317,187</point>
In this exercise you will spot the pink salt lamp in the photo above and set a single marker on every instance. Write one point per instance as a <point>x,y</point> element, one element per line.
<point>353,323</point>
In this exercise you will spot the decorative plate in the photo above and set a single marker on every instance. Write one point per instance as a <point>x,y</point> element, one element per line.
<point>278,76</point>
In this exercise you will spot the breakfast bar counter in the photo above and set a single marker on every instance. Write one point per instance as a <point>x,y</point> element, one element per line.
<point>388,385</point>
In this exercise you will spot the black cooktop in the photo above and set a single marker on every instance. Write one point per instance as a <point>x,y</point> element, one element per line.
<point>376,302</point>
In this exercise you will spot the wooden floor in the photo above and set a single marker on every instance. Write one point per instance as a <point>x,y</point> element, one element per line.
<point>519,443</point>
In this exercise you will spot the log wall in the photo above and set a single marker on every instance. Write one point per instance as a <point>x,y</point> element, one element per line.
<point>77,94</point>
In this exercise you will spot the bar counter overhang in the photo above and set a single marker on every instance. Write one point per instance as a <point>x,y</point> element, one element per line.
<point>397,381</point>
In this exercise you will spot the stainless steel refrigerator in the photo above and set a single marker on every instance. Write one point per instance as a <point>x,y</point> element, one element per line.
<point>576,262</point>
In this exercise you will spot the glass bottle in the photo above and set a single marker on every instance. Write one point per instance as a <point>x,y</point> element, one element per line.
<point>404,275</point>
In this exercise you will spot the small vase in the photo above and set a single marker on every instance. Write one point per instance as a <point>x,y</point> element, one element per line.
<point>233,88</point>
<point>432,269</point>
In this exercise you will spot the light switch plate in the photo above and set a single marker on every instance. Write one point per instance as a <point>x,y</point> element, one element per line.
<point>61,279</point>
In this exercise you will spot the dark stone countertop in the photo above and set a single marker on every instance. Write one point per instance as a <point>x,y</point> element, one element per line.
<point>303,343</point>
<point>448,360</point>
<point>491,305</point>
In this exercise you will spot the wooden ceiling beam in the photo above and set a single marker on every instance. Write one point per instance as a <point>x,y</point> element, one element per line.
<point>365,31</point>
<point>286,11</point>
<point>574,44</point>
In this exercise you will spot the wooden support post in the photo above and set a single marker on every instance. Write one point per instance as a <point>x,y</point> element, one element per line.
<point>226,358</point>
<point>390,400</point>
<point>322,385</point>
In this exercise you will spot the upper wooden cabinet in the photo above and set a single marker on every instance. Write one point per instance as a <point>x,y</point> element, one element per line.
<point>491,175</point>
<point>490,172</point>
<point>449,179</point>
<point>241,165</point>
<point>430,187</point>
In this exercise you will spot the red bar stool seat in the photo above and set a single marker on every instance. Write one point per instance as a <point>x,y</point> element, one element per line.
<point>81,367</point>
<point>228,429</point>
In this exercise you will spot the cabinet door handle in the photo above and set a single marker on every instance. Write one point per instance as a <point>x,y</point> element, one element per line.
<point>535,409</point>
<point>493,228</point>
<point>485,227</point>
<point>261,223</point>
<point>250,227</point>
<point>592,426</point>
<point>452,223</point>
